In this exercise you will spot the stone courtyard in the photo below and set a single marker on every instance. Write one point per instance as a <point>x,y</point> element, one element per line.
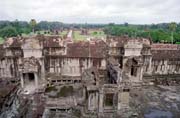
<point>156,101</point>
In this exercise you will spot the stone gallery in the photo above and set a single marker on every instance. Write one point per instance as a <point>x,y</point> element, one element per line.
<point>60,77</point>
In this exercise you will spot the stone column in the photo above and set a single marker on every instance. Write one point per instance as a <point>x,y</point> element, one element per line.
<point>26,77</point>
<point>141,73</point>
<point>22,80</point>
<point>42,69</point>
<point>36,80</point>
<point>150,66</point>
<point>89,101</point>
<point>84,92</point>
<point>119,101</point>
<point>6,68</point>
<point>101,99</point>
<point>96,103</point>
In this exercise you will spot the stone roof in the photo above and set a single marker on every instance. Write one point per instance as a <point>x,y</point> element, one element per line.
<point>47,41</point>
<point>53,41</point>
<point>120,41</point>
<point>164,47</point>
<point>95,49</point>
<point>165,51</point>
<point>13,42</point>
<point>165,54</point>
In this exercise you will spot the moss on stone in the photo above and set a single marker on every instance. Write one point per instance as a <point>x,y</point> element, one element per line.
<point>51,88</point>
<point>65,91</point>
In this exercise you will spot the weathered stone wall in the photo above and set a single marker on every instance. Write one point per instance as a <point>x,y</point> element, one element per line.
<point>8,68</point>
<point>163,67</point>
<point>165,59</point>
<point>72,66</point>
<point>55,51</point>
<point>32,48</point>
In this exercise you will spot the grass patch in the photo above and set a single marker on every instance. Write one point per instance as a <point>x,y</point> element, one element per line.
<point>25,35</point>
<point>77,35</point>
<point>97,34</point>
<point>1,40</point>
<point>51,88</point>
<point>63,33</point>
<point>77,113</point>
<point>65,91</point>
<point>46,33</point>
<point>91,34</point>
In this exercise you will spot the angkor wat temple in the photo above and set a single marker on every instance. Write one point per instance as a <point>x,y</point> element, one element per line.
<point>61,76</point>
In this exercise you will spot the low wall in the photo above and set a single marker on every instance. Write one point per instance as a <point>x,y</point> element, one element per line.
<point>168,79</point>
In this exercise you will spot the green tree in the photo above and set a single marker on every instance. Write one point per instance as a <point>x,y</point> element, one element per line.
<point>8,31</point>
<point>126,24</point>
<point>16,25</point>
<point>33,24</point>
<point>172,28</point>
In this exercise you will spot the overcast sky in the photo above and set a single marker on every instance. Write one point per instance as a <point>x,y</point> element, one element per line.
<point>92,11</point>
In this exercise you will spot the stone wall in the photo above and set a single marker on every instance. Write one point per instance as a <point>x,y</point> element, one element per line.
<point>8,68</point>
<point>163,67</point>
<point>72,66</point>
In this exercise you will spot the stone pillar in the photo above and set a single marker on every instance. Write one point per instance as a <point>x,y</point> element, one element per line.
<point>84,92</point>
<point>96,103</point>
<point>6,68</point>
<point>36,80</point>
<point>141,74</point>
<point>92,101</point>
<point>42,69</point>
<point>89,101</point>
<point>165,67</point>
<point>22,80</point>
<point>101,99</point>
<point>150,66</point>
<point>119,101</point>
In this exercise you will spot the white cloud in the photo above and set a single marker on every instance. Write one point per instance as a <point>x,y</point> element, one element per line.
<point>92,11</point>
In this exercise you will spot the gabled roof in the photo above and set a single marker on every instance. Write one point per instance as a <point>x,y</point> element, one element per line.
<point>95,49</point>
<point>165,51</point>
<point>164,47</point>
<point>165,54</point>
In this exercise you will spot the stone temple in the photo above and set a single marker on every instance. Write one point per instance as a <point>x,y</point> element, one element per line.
<point>92,78</point>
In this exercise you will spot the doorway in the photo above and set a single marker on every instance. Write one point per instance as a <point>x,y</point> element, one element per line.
<point>28,77</point>
<point>29,82</point>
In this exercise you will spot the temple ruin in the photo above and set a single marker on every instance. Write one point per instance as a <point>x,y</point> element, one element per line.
<point>94,76</point>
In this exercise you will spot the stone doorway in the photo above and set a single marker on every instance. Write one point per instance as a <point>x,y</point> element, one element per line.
<point>108,99</point>
<point>29,82</point>
<point>28,78</point>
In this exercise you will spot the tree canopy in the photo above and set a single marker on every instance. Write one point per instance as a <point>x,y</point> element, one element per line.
<point>157,32</point>
<point>163,32</point>
<point>8,31</point>
<point>33,24</point>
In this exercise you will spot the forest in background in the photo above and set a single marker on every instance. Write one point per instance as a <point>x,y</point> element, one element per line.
<point>163,32</point>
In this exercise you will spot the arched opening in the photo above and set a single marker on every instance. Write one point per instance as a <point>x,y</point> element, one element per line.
<point>29,77</point>
<point>134,67</point>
